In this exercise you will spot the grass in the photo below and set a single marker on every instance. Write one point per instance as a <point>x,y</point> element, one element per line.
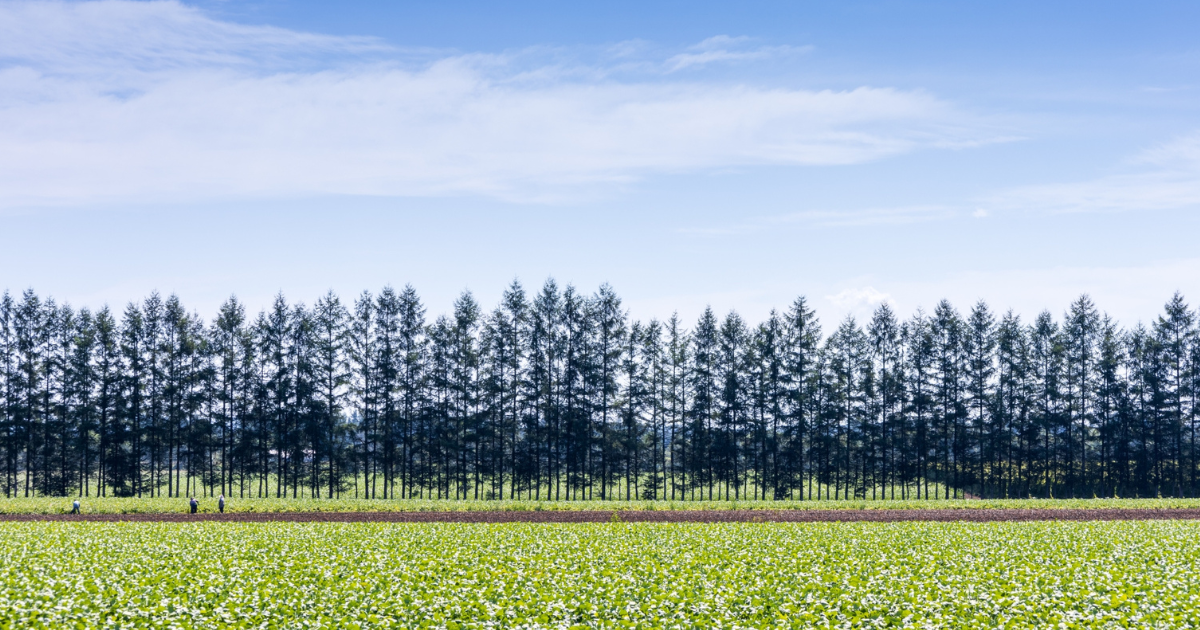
<point>56,505</point>
<point>456,576</point>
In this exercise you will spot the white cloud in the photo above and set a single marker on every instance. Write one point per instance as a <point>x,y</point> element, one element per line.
<point>132,101</point>
<point>723,48</point>
<point>124,36</point>
<point>1163,178</point>
<point>859,303</point>
<point>865,296</point>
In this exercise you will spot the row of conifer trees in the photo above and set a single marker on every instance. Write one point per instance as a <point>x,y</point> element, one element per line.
<point>560,395</point>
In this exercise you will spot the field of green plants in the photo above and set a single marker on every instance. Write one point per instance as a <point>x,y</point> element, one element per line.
<point>618,575</point>
<point>110,505</point>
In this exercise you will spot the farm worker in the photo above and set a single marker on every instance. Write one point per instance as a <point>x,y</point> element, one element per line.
<point>194,503</point>
<point>75,507</point>
<point>221,503</point>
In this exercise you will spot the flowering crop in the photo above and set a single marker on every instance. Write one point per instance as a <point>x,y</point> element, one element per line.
<point>618,575</point>
<point>161,505</point>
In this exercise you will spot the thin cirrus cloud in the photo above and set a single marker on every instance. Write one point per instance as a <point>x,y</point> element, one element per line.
<point>130,101</point>
<point>723,48</point>
<point>130,36</point>
<point>898,215</point>
<point>1165,177</point>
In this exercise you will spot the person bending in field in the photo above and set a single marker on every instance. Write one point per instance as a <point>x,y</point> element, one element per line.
<point>75,507</point>
<point>194,503</point>
<point>221,503</point>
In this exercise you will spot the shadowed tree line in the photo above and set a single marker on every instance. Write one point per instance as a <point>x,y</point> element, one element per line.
<point>560,395</point>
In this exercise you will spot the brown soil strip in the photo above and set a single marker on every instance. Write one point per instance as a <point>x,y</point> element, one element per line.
<point>640,516</point>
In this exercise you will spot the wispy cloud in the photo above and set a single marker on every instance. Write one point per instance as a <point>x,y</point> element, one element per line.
<point>1162,178</point>
<point>859,297</point>
<point>726,49</point>
<point>124,36</point>
<point>850,217</point>
<point>899,215</point>
<point>144,101</point>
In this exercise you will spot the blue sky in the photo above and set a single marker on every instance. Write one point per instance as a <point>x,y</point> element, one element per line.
<point>690,154</point>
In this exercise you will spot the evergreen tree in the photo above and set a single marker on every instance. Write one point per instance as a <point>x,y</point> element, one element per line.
<point>1010,425</point>
<point>1080,332</point>
<point>1046,357</point>
<point>331,378</point>
<point>949,416</point>
<point>465,417</point>
<point>677,400</point>
<point>561,396</point>
<point>979,348</point>
<point>884,335</point>
<point>732,405</point>
<point>1174,334</point>
<point>801,379</point>
<point>9,387</point>
<point>705,388</point>
<point>610,333</point>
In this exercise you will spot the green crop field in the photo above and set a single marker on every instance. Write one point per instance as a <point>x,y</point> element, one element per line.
<point>216,575</point>
<point>109,505</point>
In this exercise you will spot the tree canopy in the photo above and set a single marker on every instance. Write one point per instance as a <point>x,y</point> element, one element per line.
<point>560,395</point>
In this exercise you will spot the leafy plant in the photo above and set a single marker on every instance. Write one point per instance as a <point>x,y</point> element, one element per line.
<point>858,575</point>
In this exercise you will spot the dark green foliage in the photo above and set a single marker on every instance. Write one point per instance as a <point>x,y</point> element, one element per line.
<point>561,396</point>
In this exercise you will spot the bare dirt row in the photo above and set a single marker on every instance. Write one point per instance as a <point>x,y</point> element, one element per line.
<point>639,516</point>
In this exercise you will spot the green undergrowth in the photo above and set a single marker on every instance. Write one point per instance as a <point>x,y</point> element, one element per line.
<point>159,505</point>
<point>618,575</point>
